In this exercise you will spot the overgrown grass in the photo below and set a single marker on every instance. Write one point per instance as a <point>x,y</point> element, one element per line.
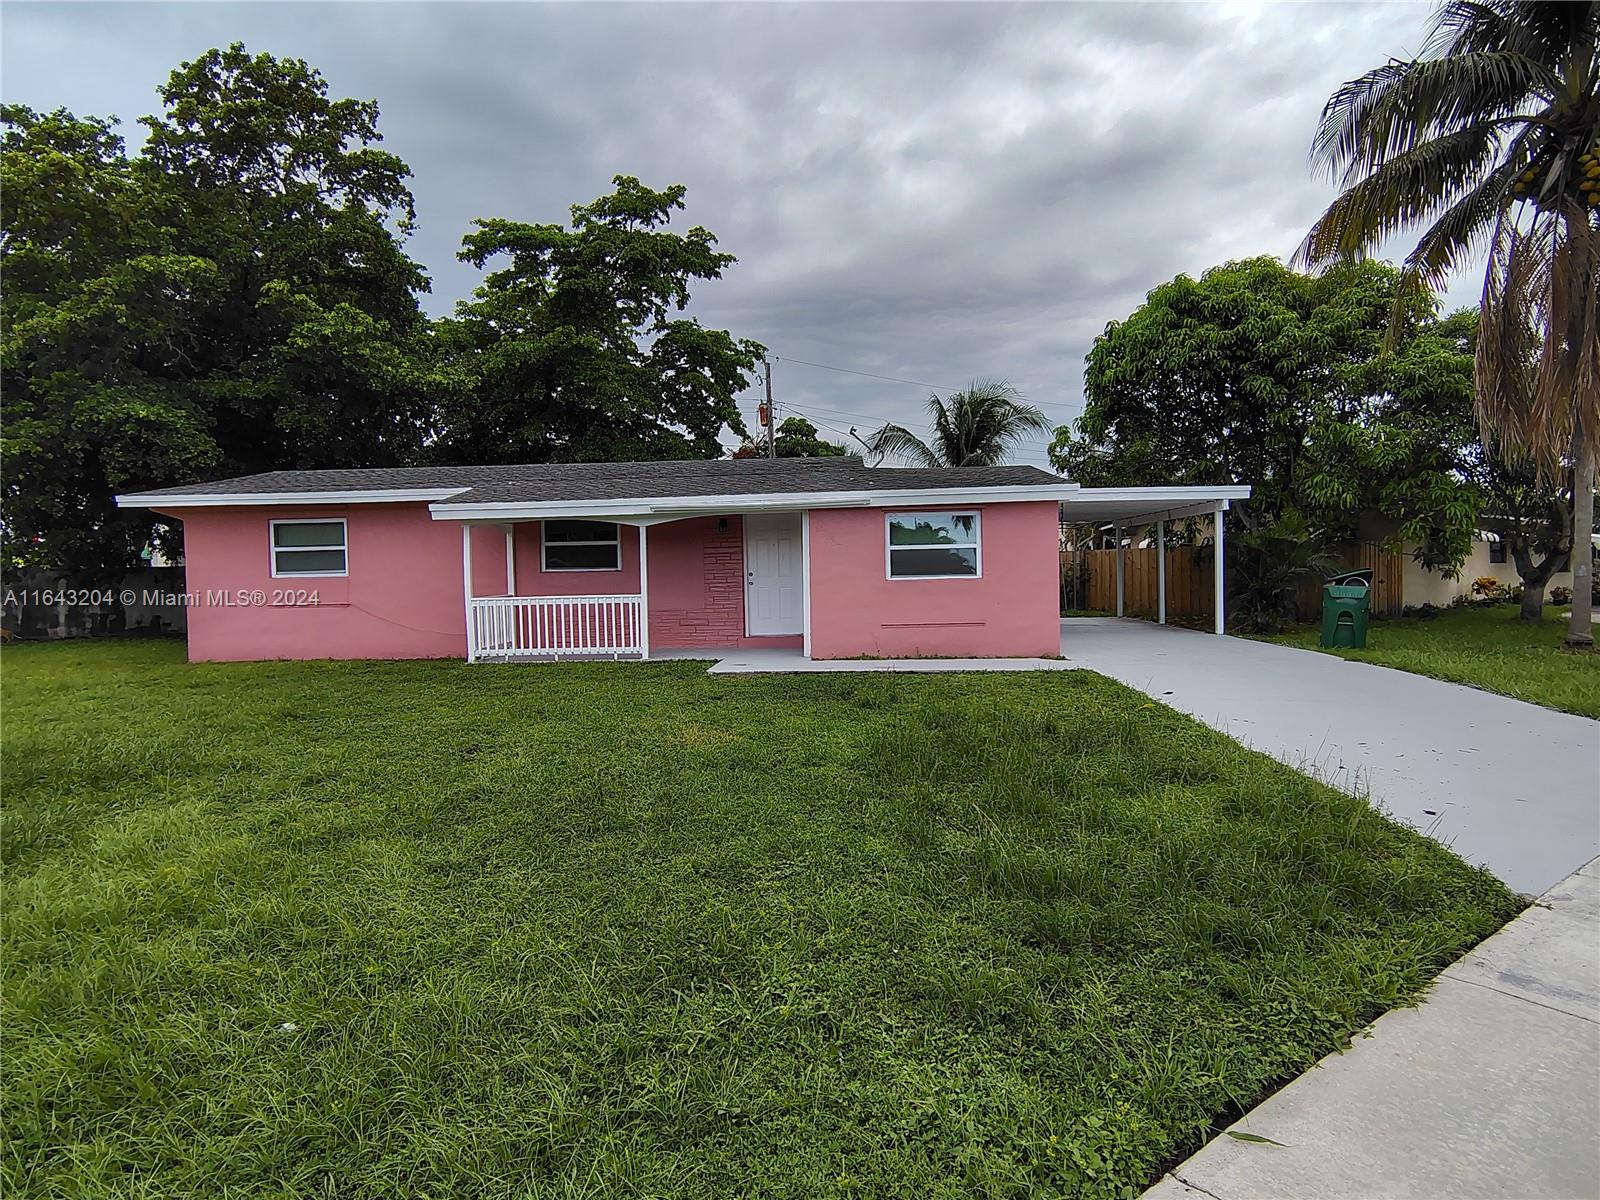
<point>411,929</point>
<point>1488,648</point>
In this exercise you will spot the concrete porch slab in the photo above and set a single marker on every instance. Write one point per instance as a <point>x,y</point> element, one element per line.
<point>762,661</point>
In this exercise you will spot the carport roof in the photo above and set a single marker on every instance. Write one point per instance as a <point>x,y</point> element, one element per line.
<point>1136,505</point>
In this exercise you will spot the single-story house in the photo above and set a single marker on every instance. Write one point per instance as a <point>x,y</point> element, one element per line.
<point>1489,558</point>
<point>826,556</point>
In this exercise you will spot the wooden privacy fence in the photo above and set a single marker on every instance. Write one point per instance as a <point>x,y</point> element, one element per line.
<point>1188,580</point>
<point>1387,566</point>
<point>1089,580</point>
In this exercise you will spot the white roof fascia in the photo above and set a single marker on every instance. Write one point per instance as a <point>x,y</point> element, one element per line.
<point>1164,497</point>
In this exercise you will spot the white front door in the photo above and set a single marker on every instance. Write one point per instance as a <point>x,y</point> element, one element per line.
<point>772,574</point>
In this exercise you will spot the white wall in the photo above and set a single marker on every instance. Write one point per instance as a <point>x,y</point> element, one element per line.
<point>1421,586</point>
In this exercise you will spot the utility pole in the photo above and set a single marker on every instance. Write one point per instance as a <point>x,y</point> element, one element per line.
<point>766,413</point>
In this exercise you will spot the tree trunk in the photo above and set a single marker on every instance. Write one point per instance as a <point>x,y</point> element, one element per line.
<point>1533,575</point>
<point>1532,602</point>
<point>1580,634</point>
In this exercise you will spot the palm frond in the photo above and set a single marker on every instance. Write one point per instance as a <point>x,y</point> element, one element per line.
<point>1462,230</point>
<point>1417,185</point>
<point>982,424</point>
<point>1541,31</point>
<point>1538,359</point>
<point>978,426</point>
<point>896,441</point>
<point>1402,105</point>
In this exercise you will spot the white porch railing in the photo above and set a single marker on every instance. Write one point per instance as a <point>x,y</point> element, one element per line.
<point>554,626</point>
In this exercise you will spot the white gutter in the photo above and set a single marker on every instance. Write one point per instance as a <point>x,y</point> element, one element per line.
<point>1155,504</point>
<point>793,501</point>
<point>224,499</point>
<point>1184,494</point>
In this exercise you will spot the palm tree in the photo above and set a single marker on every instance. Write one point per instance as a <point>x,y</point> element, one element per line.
<point>977,427</point>
<point>1491,139</point>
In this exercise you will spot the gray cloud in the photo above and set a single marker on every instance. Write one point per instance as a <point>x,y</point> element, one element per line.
<point>928,191</point>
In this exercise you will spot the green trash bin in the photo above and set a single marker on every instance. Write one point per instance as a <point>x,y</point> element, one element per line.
<point>1344,614</point>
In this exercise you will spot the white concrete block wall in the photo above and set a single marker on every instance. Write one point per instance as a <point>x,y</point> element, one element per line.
<point>1421,586</point>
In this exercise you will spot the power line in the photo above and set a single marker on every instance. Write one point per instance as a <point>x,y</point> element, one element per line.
<point>936,387</point>
<point>836,412</point>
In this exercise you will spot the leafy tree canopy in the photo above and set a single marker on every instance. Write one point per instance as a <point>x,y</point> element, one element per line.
<point>233,299</point>
<point>796,437</point>
<point>1257,374</point>
<point>571,349</point>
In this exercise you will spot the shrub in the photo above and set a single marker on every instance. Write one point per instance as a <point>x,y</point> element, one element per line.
<point>1560,595</point>
<point>1423,612</point>
<point>1488,591</point>
<point>1270,559</point>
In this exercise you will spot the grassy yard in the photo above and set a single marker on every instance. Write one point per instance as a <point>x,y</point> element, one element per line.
<point>1488,648</point>
<point>410,929</point>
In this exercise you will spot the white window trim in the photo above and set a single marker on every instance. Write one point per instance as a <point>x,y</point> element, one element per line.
<point>976,545</point>
<point>544,549</point>
<point>273,548</point>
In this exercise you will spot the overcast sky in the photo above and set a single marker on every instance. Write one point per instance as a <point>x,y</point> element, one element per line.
<point>927,191</point>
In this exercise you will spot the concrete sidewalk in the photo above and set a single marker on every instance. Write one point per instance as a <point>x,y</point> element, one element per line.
<point>1491,1088</point>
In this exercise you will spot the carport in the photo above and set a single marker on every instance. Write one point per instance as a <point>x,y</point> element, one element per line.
<point>1135,507</point>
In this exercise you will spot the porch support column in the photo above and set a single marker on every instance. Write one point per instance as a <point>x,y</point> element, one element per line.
<point>1217,588</point>
<point>805,583</point>
<point>511,560</point>
<point>1121,564</point>
<point>1161,571</point>
<point>644,592</point>
<point>466,589</point>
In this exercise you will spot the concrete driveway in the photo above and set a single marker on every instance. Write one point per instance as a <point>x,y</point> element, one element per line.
<point>1509,785</point>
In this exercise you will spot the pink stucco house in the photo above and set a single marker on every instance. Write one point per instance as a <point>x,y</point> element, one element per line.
<point>827,556</point>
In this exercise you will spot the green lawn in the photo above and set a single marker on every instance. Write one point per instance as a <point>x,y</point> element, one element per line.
<point>412,929</point>
<point>1489,648</point>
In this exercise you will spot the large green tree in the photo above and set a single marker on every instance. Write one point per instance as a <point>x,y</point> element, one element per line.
<point>1490,139</point>
<point>101,319</point>
<point>1258,374</point>
<point>571,349</point>
<point>313,351</point>
<point>234,298</point>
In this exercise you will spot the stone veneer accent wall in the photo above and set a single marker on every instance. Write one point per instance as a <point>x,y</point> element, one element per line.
<point>719,620</point>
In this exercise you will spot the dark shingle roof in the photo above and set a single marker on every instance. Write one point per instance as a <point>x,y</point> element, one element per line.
<point>624,481</point>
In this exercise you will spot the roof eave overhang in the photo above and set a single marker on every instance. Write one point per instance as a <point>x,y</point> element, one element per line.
<point>276,499</point>
<point>1136,504</point>
<point>657,507</point>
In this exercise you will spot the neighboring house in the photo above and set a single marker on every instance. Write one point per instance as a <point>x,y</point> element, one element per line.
<point>1489,558</point>
<point>826,556</point>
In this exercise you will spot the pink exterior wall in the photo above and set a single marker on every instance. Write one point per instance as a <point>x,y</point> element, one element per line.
<point>402,596</point>
<point>534,580</point>
<point>696,580</point>
<point>1010,612</point>
<point>401,599</point>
